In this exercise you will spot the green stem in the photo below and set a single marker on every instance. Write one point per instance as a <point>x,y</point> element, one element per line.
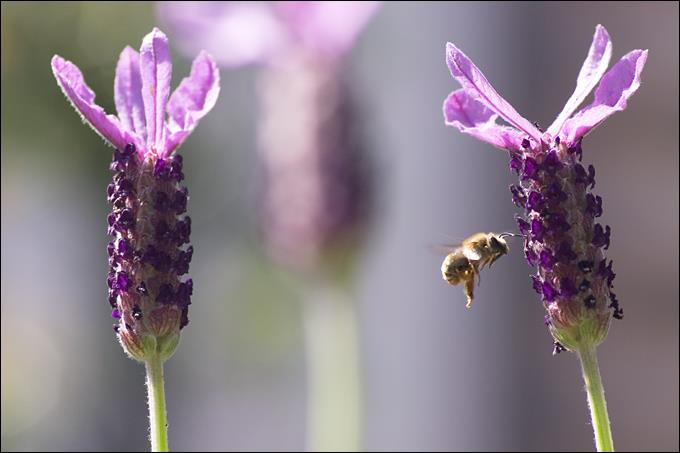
<point>157,415</point>
<point>596,401</point>
<point>333,372</point>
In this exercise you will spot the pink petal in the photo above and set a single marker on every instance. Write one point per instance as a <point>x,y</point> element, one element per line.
<point>591,72</point>
<point>156,71</point>
<point>473,117</point>
<point>477,86</point>
<point>329,28</point>
<point>71,81</point>
<point>174,140</point>
<point>128,92</point>
<point>617,85</point>
<point>235,33</point>
<point>193,99</point>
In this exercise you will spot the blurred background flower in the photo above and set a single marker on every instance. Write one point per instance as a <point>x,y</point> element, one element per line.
<point>314,184</point>
<point>436,376</point>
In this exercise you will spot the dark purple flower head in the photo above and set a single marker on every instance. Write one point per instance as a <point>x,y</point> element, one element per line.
<point>554,188</point>
<point>147,256</point>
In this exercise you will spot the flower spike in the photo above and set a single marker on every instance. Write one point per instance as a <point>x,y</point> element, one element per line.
<point>563,240</point>
<point>149,294</point>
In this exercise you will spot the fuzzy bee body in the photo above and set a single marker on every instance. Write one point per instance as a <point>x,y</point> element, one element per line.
<point>467,260</point>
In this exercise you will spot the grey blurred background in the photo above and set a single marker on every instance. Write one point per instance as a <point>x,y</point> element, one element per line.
<point>436,376</point>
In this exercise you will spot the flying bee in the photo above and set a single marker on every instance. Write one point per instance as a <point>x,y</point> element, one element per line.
<point>469,258</point>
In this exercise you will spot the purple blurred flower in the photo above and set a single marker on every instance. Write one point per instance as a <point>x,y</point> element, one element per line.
<point>315,190</point>
<point>146,256</point>
<point>239,33</point>
<point>560,212</point>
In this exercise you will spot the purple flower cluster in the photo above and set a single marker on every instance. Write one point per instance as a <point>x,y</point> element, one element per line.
<point>149,254</point>
<point>563,239</point>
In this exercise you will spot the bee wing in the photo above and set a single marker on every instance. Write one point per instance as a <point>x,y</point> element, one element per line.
<point>472,254</point>
<point>449,244</point>
<point>443,248</point>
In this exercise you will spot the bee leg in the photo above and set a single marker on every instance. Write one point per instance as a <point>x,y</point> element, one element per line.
<point>469,292</point>
<point>493,260</point>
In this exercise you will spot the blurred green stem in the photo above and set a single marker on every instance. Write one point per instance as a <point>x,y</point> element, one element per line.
<point>157,415</point>
<point>596,401</point>
<point>332,372</point>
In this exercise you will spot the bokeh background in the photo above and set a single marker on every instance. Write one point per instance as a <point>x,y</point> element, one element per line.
<point>436,376</point>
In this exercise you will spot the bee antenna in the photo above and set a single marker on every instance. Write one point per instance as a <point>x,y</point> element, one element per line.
<point>504,235</point>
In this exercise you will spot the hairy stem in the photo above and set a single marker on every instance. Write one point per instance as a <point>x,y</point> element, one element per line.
<point>596,400</point>
<point>332,372</point>
<point>158,425</point>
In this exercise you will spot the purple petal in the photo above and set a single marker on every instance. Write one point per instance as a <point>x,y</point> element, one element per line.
<point>478,87</point>
<point>473,117</point>
<point>128,93</point>
<point>329,28</point>
<point>591,72</point>
<point>617,85</point>
<point>71,81</point>
<point>235,33</point>
<point>156,70</point>
<point>192,100</point>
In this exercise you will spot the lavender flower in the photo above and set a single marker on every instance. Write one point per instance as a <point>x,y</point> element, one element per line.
<point>564,240</point>
<point>315,192</point>
<point>148,256</point>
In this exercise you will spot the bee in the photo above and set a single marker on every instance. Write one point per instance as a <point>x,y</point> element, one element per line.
<point>466,261</point>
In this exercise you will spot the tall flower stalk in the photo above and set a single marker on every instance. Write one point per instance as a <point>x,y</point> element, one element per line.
<point>563,239</point>
<point>149,256</point>
<point>315,189</point>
